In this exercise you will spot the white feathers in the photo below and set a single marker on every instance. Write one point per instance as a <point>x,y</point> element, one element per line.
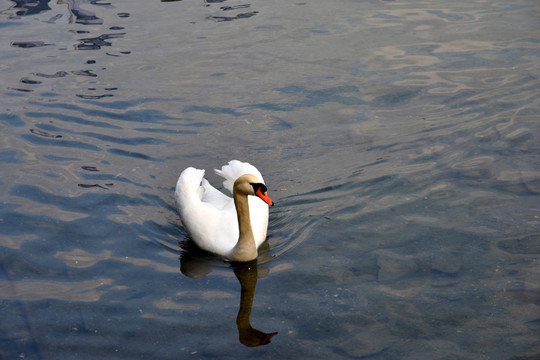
<point>233,170</point>
<point>209,216</point>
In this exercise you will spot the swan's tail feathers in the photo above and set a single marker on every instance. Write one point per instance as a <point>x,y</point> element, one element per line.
<point>189,182</point>
<point>233,170</point>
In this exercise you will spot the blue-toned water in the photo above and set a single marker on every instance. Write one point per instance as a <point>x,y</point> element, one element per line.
<point>398,139</point>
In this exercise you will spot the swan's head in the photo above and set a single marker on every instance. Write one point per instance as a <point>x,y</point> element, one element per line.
<point>251,185</point>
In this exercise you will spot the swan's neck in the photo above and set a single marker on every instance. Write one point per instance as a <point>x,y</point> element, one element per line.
<point>245,249</point>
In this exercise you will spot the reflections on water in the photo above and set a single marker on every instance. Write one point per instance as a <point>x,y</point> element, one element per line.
<point>247,276</point>
<point>76,15</point>
<point>402,139</point>
<point>196,264</point>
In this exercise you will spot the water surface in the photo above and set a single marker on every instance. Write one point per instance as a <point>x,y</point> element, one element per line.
<point>399,141</point>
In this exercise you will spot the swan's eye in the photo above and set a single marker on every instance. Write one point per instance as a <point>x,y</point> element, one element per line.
<point>259,186</point>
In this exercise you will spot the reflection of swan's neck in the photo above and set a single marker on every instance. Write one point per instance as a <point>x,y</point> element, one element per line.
<point>245,249</point>
<point>248,282</point>
<point>247,275</point>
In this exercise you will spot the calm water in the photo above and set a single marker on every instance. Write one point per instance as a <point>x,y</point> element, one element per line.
<point>399,140</point>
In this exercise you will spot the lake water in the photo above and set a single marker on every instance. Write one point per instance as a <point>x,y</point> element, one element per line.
<point>399,140</point>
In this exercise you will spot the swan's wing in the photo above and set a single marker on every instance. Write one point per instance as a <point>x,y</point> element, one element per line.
<point>234,169</point>
<point>188,186</point>
<point>208,215</point>
<point>213,196</point>
<point>192,186</point>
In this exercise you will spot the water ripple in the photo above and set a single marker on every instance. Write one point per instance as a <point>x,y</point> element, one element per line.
<point>70,119</point>
<point>134,154</point>
<point>107,138</point>
<point>47,141</point>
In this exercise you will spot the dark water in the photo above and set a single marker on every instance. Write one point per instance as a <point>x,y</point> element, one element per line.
<point>398,139</point>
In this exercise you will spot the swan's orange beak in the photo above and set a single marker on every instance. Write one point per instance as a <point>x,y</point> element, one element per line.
<point>264,197</point>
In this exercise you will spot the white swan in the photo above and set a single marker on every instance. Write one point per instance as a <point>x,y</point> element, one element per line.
<point>232,227</point>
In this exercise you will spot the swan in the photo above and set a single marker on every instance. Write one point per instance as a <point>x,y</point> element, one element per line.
<point>231,227</point>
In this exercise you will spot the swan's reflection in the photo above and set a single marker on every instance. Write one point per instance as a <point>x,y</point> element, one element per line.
<point>197,264</point>
<point>247,274</point>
